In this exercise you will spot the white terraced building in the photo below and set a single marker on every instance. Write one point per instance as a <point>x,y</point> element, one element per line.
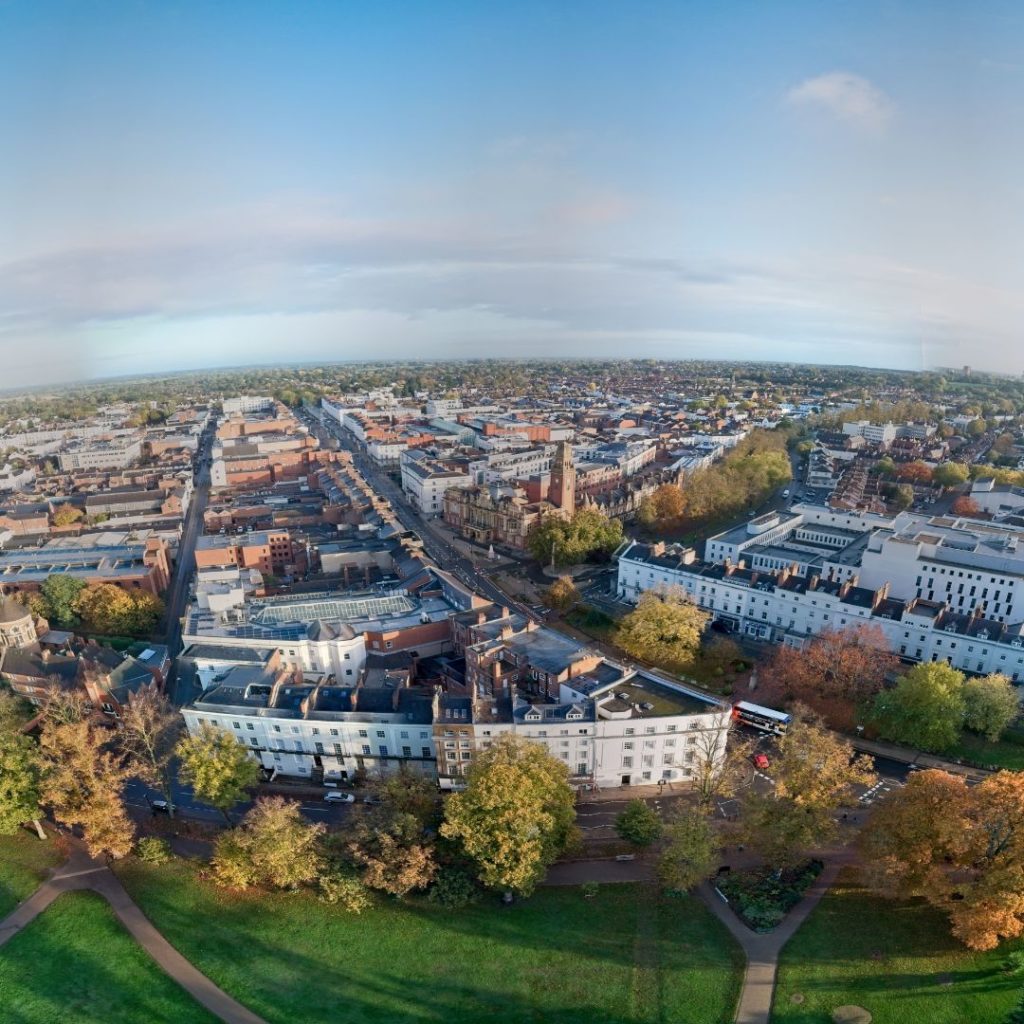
<point>785,606</point>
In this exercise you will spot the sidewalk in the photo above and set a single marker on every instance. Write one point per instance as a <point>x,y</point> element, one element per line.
<point>917,758</point>
<point>625,793</point>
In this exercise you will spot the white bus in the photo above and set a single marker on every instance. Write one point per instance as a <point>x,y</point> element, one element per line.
<point>765,719</point>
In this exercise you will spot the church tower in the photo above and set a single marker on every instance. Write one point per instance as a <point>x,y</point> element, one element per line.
<point>562,491</point>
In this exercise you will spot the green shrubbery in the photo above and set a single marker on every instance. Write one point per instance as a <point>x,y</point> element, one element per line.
<point>153,850</point>
<point>764,897</point>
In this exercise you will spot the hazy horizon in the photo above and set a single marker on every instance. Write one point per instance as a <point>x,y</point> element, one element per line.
<point>189,186</point>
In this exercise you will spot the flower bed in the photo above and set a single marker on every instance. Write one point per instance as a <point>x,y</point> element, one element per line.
<point>763,898</point>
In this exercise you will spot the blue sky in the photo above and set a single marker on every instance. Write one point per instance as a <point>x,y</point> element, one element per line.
<point>214,184</point>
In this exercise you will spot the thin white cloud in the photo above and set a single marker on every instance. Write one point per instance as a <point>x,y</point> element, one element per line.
<point>845,95</point>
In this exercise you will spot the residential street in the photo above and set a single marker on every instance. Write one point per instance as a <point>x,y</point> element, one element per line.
<point>177,595</point>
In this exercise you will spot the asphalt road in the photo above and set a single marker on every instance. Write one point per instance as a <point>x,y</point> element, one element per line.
<point>139,796</point>
<point>186,564</point>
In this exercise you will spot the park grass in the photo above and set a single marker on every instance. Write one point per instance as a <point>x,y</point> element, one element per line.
<point>895,959</point>
<point>594,622</point>
<point>978,750</point>
<point>24,862</point>
<point>626,955</point>
<point>76,962</point>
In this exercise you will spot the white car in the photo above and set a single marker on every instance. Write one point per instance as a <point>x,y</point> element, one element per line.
<point>334,797</point>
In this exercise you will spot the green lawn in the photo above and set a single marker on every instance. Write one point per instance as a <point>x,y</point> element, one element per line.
<point>24,861</point>
<point>76,963</point>
<point>897,960</point>
<point>625,956</point>
<point>1001,754</point>
<point>593,622</point>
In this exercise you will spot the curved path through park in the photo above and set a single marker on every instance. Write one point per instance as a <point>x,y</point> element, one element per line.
<point>80,871</point>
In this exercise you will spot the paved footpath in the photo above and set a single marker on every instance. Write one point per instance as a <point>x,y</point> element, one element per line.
<point>762,951</point>
<point>80,871</point>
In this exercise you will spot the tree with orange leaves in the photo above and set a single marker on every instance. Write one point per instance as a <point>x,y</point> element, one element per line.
<point>965,506</point>
<point>837,673</point>
<point>960,847</point>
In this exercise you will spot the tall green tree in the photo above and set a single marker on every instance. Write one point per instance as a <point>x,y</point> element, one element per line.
<point>587,535</point>
<point>20,779</point>
<point>638,824</point>
<point>218,767</point>
<point>689,852</point>
<point>15,711</point>
<point>991,704</point>
<point>515,816</point>
<point>273,846</point>
<point>950,474</point>
<point>925,709</point>
<point>60,594</point>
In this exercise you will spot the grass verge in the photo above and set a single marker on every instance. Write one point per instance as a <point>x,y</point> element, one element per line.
<point>24,862</point>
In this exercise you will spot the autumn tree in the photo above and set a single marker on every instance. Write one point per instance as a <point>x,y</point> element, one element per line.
<point>838,672</point>
<point>150,729</point>
<point>664,629</point>
<point>83,780</point>
<point>393,854</point>
<point>109,609</point>
<point>991,704</point>
<point>562,594</point>
<point>925,709</point>
<point>815,772</point>
<point>689,851</point>
<point>20,781</point>
<point>273,846</point>
<point>914,473</point>
<point>965,506</point>
<point>515,816</point>
<point>66,514</point>
<point>218,767</point>
<point>664,506</point>
<point>959,847</point>
<point>638,824</point>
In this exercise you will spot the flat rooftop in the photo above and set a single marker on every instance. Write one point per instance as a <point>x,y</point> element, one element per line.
<point>664,699</point>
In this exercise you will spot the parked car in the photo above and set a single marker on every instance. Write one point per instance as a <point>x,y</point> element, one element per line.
<point>334,797</point>
<point>160,806</point>
<point>761,762</point>
<point>371,799</point>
